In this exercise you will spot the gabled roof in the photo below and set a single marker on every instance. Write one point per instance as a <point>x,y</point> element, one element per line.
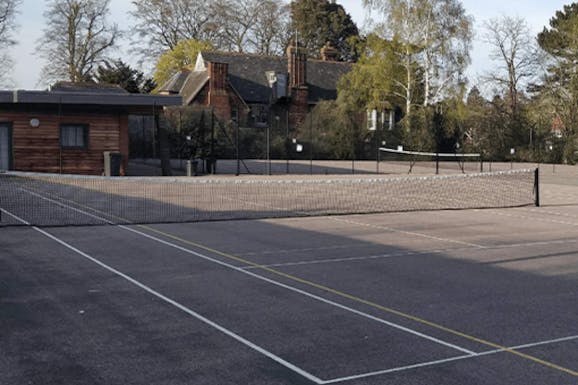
<point>175,84</point>
<point>193,84</point>
<point>247,75</point>
<point>322,77</point>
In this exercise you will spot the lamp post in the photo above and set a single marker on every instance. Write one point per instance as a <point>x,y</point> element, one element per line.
<point>287,144</point>
<point>268,151</point>
<point>277,119</point>
<point>238,153</point>
<point>311,143</point>
<point>550,148</point>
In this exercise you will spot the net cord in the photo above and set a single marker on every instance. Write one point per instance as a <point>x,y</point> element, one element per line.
<point>440,154</point>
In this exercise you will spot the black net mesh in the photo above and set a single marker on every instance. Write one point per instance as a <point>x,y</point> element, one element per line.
<point>60,200</point>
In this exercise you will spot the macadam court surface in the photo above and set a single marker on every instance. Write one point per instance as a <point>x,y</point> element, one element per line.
<point>439,297</point>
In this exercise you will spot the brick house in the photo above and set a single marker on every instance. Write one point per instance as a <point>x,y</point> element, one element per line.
<point>68,128</point>
<point>255,90</point>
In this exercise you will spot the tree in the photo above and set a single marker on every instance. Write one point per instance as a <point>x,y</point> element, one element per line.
<point>516,53</point>
<point>372,85</point>
<point>76,39</point>
<point>515,49</point>
<point>271,29</point>
<point>183,55</point>
<point>435,34</point>
<point>317,22</point>
<point>162,24</point>
<point>122,74</point>
<point>560,86</point>
<point>372,82</point>
<point>259,26</point>
<point>8,10</point>
<point>334,133</point>
<point>237,20</point>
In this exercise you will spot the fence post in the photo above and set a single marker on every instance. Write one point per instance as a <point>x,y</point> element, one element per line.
<point>537,187</point>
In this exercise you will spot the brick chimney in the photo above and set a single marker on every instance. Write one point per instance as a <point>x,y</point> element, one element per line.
<point>218,96</point>
<point>329,53</point>
<point>297,85</point>
<point>297,65</point>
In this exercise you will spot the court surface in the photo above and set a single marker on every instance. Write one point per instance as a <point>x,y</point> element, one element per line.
<point>440,297</point>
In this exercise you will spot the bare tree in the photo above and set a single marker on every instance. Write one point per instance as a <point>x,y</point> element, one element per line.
<point>259,26</point>
<point>270,33</point>
<point>76,39</point>
<point>162,24</point>
<point>8,10</point>
<point>516,52</point>
<point>237,18</point>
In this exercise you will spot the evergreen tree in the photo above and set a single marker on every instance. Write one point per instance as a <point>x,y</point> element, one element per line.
<point>122,74</point>
<point>318,22</point>
<point>561,83</point>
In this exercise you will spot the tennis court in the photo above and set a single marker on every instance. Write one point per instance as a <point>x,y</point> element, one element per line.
<point>432,296</point>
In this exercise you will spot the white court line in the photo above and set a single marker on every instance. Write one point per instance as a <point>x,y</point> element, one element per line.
<point>179,306</point>
<point>287,251</point>
<point>279,284</point>
<point>533,244</point>
<point>393,230</point>
<point>447,360</point>
<point>536,219</point>
<point>554,213</point>
<point>291,288</point>
<point>351,259</point>
<point>313,378</point>
<point>304,293</point>
<point>409,253</point>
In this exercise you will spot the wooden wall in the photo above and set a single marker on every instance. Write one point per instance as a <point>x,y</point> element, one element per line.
<point>38,148</point>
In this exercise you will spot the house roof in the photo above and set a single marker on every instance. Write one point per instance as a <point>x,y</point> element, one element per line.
<point>193,84</point>
<point>323,76</point>
<point>94,88</point>
<point>83,96</point>
<point>247,75</point>
<point>176,82</point>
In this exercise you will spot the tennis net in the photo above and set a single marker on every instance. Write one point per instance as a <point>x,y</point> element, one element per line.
<point>396,161</point>
<point>61,200</point>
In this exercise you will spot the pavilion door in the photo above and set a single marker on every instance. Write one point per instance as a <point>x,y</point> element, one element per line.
<point>5,146</point>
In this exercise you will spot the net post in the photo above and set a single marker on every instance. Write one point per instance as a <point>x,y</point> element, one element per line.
<point>437,163</point>
<point>537,187</point>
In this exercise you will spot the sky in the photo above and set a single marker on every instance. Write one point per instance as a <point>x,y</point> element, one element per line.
<point>28,64</point>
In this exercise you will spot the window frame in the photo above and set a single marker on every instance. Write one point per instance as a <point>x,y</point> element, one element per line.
<point>85,136</point>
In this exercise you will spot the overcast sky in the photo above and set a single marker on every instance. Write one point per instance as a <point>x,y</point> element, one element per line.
<point>28,64</point>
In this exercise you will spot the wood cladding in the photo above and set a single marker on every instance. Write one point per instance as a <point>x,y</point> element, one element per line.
<point>38,148</point>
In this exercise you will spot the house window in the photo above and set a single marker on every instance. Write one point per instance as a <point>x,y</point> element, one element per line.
<point>74,136</point>
<point>372,120</point>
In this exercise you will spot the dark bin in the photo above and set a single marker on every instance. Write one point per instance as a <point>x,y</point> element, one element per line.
<point>112,163</point>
